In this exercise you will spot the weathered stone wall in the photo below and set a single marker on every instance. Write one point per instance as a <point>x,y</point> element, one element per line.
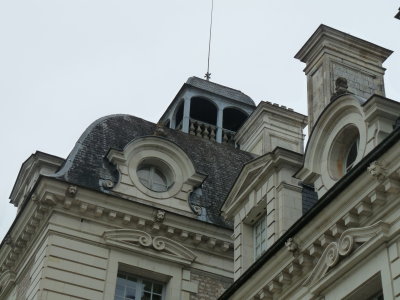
<point>209,286</point>
<point>360,83</point>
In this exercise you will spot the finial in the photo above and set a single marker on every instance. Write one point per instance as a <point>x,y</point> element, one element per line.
<point>208,74</point>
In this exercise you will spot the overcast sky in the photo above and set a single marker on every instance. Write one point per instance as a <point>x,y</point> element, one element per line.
<point>63,64</point>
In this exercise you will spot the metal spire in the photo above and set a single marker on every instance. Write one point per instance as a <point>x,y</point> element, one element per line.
<point>208,74</point>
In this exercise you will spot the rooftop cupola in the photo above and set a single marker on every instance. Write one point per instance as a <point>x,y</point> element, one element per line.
<point>209,110</point>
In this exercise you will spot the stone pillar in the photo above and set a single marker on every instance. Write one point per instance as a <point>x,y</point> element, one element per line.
<point>172,123</point>
<point>220,118</point>
<point>186,114</point>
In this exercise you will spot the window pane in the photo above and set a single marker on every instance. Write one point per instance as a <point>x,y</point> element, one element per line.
<point>157,288</point>
<point>132,288</point>
<point>159,177</point>
<point>260,236</point>
<point>159,187</point>
<point>152,178</point>
<point>146,296</point>
<point>147,285</point>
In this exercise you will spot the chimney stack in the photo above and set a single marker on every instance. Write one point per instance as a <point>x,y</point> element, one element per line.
<point>330,54</point>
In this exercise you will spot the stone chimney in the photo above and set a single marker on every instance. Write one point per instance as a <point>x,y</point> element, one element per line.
<point>330,54</point>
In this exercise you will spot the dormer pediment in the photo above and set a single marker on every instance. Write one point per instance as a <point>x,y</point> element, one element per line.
<point>347,129</point>
<point>37,164</point>
<point>257,172</point>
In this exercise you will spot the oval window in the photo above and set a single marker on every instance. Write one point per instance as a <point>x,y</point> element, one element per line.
<point>343,152</point>
<point>154,178</point>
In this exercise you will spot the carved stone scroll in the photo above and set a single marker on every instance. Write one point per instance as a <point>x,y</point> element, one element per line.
<point>135,239</point>
<point>343,247</point>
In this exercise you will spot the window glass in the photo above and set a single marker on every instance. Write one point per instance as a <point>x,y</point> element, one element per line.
<point>134,288</point>
<point>153,178</point>
<point>351,155</point>
<point>260,236</point>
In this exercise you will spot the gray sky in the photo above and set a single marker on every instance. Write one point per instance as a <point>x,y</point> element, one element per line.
<point>64,64</point>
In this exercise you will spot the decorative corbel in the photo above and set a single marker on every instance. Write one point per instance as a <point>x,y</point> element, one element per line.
<point>292,246</point>
<point>376,170</point>
<point>159,216</point>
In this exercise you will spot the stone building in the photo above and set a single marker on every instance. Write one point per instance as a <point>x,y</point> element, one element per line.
<point>219,198</point>
<point>337,237</point>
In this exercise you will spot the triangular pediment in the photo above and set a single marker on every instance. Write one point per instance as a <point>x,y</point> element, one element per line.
<point>247,178</point>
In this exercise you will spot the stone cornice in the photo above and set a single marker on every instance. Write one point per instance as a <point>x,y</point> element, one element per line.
<point>270,109</point>
<point>52,195</point>
<point>325,35</point>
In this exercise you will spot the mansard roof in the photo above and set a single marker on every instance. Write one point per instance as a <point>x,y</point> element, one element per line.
<point>88,166</point>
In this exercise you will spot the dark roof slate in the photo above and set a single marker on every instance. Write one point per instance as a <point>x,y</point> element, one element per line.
<point>219,89</point>
<point>309,197</point>
<point>88,166</point>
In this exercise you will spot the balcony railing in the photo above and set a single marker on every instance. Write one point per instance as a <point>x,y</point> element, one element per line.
<point>204,130</point>
<point>208,131</point>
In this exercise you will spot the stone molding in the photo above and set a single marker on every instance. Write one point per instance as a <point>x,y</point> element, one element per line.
<point>343,247</point>
<point>69,198</point>
<point>7,279</point>
<point>136,240</point>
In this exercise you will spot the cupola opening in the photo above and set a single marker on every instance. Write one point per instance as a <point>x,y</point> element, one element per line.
<point>203,110</point>
<point>179,115</point>
<point>233,118</point>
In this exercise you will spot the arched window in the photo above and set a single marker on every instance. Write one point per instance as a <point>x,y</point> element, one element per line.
<point>233,119</point>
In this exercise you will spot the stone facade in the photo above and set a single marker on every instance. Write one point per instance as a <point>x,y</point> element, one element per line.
<point>223,207</point>
<point>209,286</point>
<point>345,243</point>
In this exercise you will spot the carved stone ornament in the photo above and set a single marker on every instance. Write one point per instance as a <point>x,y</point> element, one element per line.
<point>159,216</point>
<point>291,245</point>
<point>71,191</point>
<point>341,87</point>
<point>343,247</point>
<point>377,170</point>
<point>160,131</point>
<point>107,184</point>
<point>136,240</point>
<point>197,209</point>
